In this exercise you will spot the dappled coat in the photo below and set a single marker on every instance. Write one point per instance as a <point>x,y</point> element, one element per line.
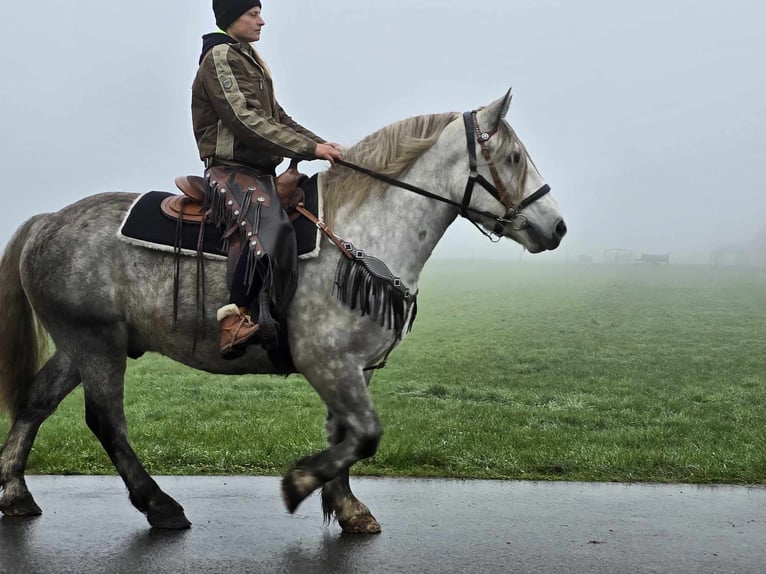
<point>235,115</point>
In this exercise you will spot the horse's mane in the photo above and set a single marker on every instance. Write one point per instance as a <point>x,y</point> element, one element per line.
<point>389,151</point>
<point>393,149</point>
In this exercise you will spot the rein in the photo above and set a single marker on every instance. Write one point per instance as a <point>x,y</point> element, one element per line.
<point>498,190</point>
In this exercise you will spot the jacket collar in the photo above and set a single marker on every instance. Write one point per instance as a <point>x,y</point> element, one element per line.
<point>210,41</point>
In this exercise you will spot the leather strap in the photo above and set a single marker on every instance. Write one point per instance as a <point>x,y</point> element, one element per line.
<point>300,208</point>
<point>534,197</point>
<point>483,138</point>
<point>473,172</point>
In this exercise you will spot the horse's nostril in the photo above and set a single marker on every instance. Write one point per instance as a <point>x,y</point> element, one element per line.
<point>561,229</point>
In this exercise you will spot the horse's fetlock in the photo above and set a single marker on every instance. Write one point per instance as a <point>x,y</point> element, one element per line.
<point>297,485</point>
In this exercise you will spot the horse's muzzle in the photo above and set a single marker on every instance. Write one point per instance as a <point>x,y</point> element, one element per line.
<point>558,233</point>
<point>547,241</point>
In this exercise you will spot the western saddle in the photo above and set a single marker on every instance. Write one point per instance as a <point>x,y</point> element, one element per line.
<point>188,207</point>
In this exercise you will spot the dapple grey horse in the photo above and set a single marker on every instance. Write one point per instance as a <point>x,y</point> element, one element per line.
<point>102,300</point>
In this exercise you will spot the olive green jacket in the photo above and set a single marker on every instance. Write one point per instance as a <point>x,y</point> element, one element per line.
<point>236,118</point>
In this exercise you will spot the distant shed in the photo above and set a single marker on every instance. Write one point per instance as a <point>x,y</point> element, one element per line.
<point>654,258</point>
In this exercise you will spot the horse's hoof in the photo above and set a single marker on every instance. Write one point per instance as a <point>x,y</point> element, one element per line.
<point>169,520</point>
<point>365,524</point>
<point>24,506</point>
<point>296,486</point>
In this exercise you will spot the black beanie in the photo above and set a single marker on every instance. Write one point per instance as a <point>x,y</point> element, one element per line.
<point>228,11</point>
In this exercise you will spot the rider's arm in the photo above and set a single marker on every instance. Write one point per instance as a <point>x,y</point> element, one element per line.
<point>295,126</point>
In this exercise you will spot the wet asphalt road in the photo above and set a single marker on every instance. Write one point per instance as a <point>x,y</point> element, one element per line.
<point>429,526</point>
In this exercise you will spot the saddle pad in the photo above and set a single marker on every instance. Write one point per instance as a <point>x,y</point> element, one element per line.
<point>147,226</point>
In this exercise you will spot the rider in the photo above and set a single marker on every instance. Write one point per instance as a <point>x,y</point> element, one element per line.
<point>239,124</point>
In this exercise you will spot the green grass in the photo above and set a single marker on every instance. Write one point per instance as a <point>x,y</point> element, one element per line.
<point>513,370</point>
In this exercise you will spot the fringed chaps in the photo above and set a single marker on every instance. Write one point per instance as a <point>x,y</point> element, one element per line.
<point>245,205</point>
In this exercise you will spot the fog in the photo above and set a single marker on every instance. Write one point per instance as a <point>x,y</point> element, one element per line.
<point>647,119</point>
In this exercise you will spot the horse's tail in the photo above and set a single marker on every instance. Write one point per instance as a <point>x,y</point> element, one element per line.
<point>21,338</point>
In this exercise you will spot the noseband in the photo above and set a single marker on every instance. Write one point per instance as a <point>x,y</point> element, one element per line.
<point>499,191</point>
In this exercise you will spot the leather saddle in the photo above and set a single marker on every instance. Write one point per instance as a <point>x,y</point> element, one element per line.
<point>188,207</point>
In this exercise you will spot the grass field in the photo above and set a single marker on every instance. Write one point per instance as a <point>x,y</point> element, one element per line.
<point>513,370</point>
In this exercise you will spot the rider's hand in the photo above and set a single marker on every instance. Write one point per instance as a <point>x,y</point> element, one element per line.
<point>328,151</point>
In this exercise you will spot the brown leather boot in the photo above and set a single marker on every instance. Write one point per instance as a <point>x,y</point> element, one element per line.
<point>237,329</point>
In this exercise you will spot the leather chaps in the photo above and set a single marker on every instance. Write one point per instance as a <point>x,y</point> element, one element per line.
<point>259,236</point>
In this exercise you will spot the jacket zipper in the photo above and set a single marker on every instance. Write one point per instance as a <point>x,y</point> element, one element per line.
<point>258,66</point>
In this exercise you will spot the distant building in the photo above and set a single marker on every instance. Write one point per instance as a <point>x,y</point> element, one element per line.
<point>654,258</point>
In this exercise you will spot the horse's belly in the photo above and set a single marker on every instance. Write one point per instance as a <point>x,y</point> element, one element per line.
<point>254,362</point>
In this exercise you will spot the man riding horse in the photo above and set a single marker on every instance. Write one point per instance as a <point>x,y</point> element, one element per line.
<point>243,134</point>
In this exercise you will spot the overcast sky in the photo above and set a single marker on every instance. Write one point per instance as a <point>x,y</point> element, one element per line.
<point>647,118</point>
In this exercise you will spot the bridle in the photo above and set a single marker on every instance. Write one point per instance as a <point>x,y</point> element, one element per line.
<point>499,191</point>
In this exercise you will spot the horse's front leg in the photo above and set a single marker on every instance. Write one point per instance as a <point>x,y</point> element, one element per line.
<point>348,402</point>
<point>337,499</point>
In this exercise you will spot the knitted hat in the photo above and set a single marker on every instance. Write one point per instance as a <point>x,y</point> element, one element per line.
<point>228,11</point>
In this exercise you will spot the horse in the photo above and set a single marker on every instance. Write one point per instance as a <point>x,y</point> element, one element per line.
<point>100,300</point>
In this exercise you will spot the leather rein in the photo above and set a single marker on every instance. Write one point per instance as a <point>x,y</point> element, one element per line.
<point>499,191</point>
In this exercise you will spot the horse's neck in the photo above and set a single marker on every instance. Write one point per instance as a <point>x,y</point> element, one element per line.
<point>400,227</point>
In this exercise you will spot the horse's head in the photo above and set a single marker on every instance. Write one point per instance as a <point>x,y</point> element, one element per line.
<point>506,193</point>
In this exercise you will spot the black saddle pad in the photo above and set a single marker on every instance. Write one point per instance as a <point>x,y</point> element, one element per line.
<point>147,225</point>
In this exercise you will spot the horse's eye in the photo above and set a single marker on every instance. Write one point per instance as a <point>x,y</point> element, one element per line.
<point>515,157</point>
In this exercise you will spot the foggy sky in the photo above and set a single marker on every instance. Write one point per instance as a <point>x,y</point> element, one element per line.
<point>646,118</point>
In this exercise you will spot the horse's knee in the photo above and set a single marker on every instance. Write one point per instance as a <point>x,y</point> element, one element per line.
<point>369,439</point>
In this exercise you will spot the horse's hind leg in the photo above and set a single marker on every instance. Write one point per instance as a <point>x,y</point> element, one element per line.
<point>103,374</point>
<point>49,387</point>
<point>338,500</point>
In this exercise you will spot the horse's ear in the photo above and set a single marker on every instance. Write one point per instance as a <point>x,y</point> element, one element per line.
<point>496,111</point>
<point>506,103</point>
